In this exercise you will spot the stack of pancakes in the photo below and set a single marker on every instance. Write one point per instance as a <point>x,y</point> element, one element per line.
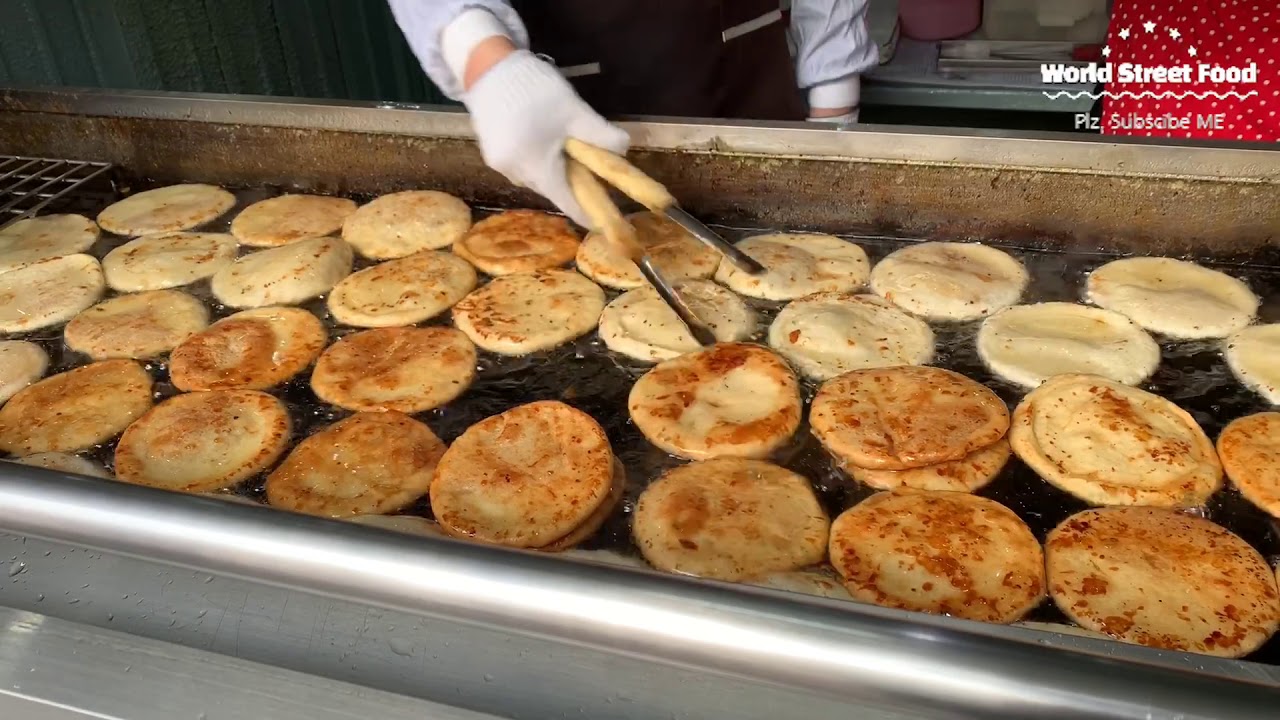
<point>916,427</point>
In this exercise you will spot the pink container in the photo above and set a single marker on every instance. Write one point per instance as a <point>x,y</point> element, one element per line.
<point>939,19</point>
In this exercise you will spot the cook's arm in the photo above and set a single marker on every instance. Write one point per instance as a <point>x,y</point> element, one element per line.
<point>442,34</point>
<point>833,49</point>
<point>521,108</point>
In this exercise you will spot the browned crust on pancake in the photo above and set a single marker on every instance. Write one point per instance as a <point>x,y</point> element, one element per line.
<point>518,241</point>
<point>75,410</point>
<point>593,524</point>
<point>1111,444</point>
<point>1250,451</point>
<point>731,519</point>
<point>524,478</point>
<point>200,424</point>
<point>239,351</point>
<point>386,460</point>
<point>442,359</point>
<point>906,417</point>
<point>1164,579</point>
<point>939,552</point>
<point>664,398</point>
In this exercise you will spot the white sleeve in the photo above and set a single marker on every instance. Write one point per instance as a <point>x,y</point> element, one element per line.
<point>442,33</point>
<point>833,49</point>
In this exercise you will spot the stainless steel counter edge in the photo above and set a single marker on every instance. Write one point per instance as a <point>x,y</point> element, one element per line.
<point>873,143</point>
<point>928,666</point>
<point>51,669</point>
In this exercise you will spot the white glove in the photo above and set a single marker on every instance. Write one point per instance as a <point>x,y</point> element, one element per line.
<point>523,110</point>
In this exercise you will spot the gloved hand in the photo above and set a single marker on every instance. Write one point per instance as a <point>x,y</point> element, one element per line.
<point>523,110</point>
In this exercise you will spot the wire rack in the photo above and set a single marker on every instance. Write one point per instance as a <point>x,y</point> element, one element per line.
<point>29,185</point>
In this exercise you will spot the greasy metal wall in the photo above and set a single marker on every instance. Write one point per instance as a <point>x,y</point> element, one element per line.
<point>347,49</point>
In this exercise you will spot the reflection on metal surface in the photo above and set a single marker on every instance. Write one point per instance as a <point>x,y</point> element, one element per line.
<point>856,653</point>
<point>59,669</point>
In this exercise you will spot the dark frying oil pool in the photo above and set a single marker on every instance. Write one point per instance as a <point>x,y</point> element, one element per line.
<point>586,375</point>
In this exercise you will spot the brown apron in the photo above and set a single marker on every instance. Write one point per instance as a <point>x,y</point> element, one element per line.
<point>682,58</point>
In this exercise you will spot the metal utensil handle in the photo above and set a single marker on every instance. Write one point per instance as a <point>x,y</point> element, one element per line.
<point>710,238</point>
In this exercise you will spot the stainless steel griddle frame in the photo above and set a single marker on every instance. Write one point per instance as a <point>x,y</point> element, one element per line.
<point>523,635</point>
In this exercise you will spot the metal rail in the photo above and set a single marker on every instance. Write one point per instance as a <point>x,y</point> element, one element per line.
<point>979,148</point>
<point>29,184</point>
<point>875,657</point>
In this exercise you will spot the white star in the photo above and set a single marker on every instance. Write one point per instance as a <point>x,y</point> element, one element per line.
<point>1149,26</point>
<point>1106,52</point>
<point>1173,33</point>
<point>1124,34</point>
<point>1192,50</point>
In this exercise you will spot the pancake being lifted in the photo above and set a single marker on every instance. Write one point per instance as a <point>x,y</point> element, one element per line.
<point>526,478</point>
<point>21,363</point>
<point>676,254</point>
<point>201,442</point>
<point>75,410</point>
<point>1249,448</point>
<point>829,334</point>
<point>949,281</point>
<point>49,292</point>
<point>284,275</point>
<point>518,241</point>
<point>1175,298</point>
<point>375,463</point>
<point>1029,344</point>
<point>939,552</point>
<point>139,326</point>
<point>166,209</point>
<point>406,369</point>
<point>1111,444</point>
<point>1252,354</point>
<point>730,400</point>
<point>404,223</point>
<point>402,292</point>
<point>253,350</point>
<point>1164,579</point>
<point>730,519</point>
<point>289,218</point>
<point>167,260</point>
<point>41,238</point>
<point>901,418</point>
<point>640,325</point>
<point>798,264</point>
<point>528,312</point>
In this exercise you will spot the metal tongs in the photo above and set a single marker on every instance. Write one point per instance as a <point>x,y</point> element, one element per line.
<point>584,164</point>
<point>615,170</point>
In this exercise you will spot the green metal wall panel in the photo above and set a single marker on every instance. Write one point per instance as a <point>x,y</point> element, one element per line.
<point>348,49</point>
